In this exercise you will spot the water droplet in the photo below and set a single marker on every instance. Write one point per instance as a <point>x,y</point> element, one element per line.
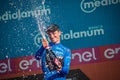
<point>6,56</point>
<point>29,70</point>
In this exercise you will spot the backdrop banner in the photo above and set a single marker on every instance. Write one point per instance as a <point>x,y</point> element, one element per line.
<point>90,28</point>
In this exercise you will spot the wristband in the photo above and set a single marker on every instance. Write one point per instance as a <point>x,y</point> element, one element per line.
<point>47,47</point>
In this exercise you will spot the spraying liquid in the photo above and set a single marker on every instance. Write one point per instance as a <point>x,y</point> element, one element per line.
<point>43,2</point>
<point>41,21</point>
<point>41,28</point>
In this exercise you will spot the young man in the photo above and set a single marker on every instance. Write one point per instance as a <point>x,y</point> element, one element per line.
<point>58,68</point>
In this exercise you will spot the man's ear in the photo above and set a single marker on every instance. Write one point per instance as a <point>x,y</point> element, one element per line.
<point>60,32</point>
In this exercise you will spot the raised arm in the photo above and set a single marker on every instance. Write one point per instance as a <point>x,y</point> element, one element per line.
<point>42,48</point>
<point>39,53</point>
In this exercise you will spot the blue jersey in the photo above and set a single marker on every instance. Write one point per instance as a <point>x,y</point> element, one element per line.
<point>61,52</point>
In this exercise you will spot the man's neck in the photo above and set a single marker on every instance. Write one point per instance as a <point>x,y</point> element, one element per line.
<point>56,42</point>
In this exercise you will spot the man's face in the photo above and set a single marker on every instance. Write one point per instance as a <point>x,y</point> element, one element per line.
<point>54,36</point>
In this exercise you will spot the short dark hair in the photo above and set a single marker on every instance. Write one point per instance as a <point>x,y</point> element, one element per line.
<point>52,28</point>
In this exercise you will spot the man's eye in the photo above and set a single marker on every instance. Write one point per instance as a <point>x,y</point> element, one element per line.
<point>54,32</point>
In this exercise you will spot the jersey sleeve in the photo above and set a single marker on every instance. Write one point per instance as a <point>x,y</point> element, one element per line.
<point>67,61</point>
<point>39,53</point>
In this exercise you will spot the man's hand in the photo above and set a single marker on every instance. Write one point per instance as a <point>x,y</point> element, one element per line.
<point>45,43</point>
<point>58,63</point>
